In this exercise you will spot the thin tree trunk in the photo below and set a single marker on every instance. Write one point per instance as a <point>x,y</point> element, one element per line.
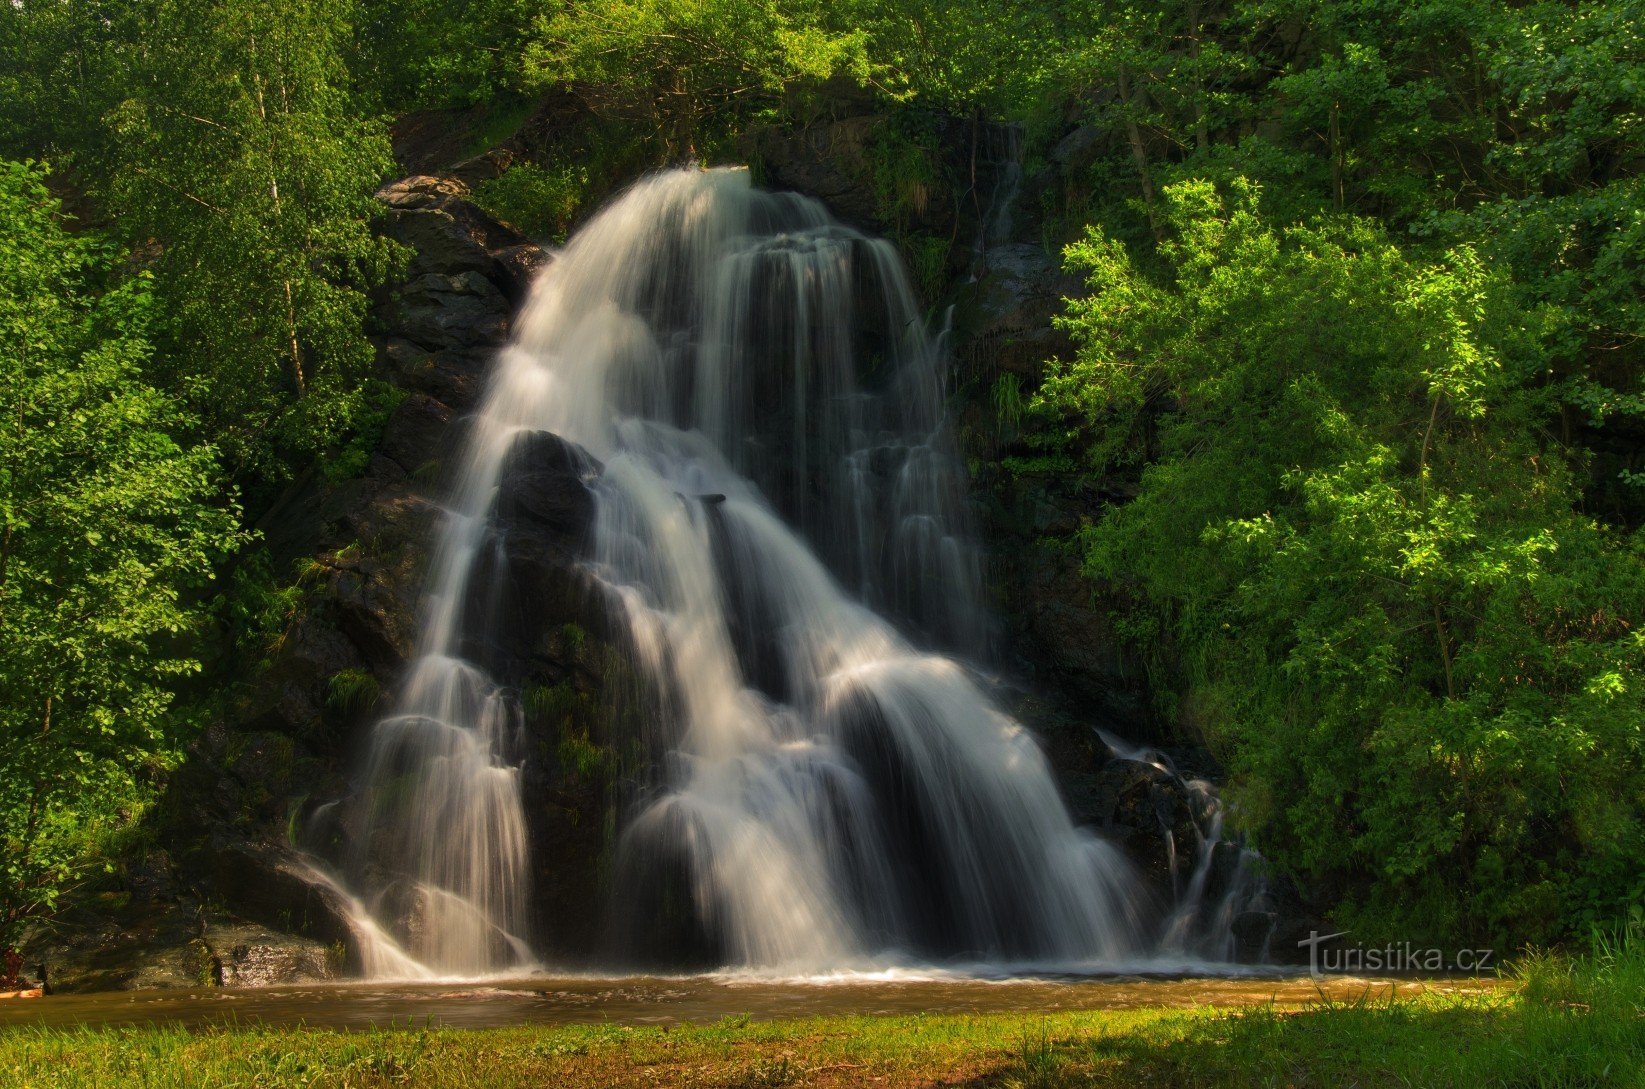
<point>1441,636</point>
<point>5,540</point>
<point>296,352</point>
<point>1202,124</point>
<point>1336,156</point>
<point>1139,153</point>
<point>274,195</point>
<point>1444,640</point>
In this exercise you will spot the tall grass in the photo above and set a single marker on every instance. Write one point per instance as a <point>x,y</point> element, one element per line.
<point>1560,1022</point>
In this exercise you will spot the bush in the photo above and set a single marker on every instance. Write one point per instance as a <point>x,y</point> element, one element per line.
<point>537,201</point>
<point>1365,568</point>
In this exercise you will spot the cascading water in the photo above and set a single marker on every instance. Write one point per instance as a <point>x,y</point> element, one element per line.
<point>780,526</point>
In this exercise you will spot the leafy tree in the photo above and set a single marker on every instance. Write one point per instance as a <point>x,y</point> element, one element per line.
<point>680,63</point>
<point>107,528</point>
<point>60,70</point>
<point>1424,666</point>
<point>419,54</point>
<point>240,151</point>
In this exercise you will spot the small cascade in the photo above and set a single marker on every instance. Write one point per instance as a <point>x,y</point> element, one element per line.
<point>752,400</point>
<point>998,152</point>
<point>1217,883</point>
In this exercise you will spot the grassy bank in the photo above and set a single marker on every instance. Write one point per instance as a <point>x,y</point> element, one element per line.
<point>1565,1024</point>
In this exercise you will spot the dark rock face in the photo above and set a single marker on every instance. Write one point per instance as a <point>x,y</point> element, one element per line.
<point>469,275</point>
<point>834,161</point>
<point>1004,317</point>
<point>254,956</point>
<point>1152,813</point>
<point>225,899</point>
<point>155,931</point>
<point>273,885</point>
<point>831,162</point>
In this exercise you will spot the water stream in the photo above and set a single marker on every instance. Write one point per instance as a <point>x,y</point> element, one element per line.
<point>639,1000</point>
<point>780,525</point>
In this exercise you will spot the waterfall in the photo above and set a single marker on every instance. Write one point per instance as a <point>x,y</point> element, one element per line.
<point>780,526</point>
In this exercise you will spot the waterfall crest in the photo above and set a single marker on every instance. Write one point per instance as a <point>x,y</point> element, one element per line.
<point>780,526</point>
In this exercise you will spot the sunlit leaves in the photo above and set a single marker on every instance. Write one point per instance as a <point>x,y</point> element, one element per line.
<point>238,148</point>
<point>1424,660</point>
<point>107,531</point>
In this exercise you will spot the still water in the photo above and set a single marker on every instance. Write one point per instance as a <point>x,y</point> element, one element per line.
<point>651,1000</point>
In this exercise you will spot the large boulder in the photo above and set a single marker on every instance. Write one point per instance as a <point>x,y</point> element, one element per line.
<point>535,576</point>
<point>468,276</point>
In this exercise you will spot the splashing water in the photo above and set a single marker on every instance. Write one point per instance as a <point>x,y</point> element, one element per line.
<point>780,524</point>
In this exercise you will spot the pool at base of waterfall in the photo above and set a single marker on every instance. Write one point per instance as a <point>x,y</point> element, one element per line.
<point>666,1000</point>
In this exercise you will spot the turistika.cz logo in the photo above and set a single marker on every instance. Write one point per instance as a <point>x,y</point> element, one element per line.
<point>1397,958</point>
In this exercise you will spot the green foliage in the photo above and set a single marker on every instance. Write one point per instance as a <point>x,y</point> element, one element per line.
<point>374,402</point>
<point>1422,662</point>
<point>108,527</point>
<point>352,692</point>
<point>258,609</point>
<point>1009,405</point>
<point>681,64</point>
<point>238,145</point>
<point>904,161</point>
<point>537,201</point>
<point>550,707</point>
<point>696,71</point>
<point>583,758</point>
<point>434,53</point>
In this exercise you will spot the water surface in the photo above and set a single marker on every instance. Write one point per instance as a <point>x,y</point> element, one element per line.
<point>653,1000</point>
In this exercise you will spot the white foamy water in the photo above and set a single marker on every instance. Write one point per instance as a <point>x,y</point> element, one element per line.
<point>780,523</point>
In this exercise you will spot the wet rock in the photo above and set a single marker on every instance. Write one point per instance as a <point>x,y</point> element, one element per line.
<point>156,946</point>
<point>1154,816</point>
<point>1069,637</point>
<point>834,161</point>
<point>293,694</point>
<point>1226,861</point>
<point>247,955</point>
<point>543,492</point>
<point>421,191</point>
<point>1252,931</point>
<point>271,885</point>
<point>1006,315</point>
<point>373,615</point>
<point>451,310</point>
<point>451,376</point>
<point>130,929</point>
<point>452,236</point>
<point>830,161</point>
<point>542,526</point>
<point>416,433</point>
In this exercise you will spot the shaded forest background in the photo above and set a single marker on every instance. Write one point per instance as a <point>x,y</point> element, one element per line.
<point>1357,365</point>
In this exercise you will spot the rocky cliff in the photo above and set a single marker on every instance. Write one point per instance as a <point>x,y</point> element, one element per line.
<point>225,893</point>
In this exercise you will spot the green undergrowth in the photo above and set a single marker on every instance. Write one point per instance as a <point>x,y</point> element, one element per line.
<point>1563,1023</point>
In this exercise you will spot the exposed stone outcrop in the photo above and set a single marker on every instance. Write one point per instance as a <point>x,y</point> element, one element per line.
<point>1003,319</point>
<point>851,165</point>
<point>833,162</point>
<point>223,899</point>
